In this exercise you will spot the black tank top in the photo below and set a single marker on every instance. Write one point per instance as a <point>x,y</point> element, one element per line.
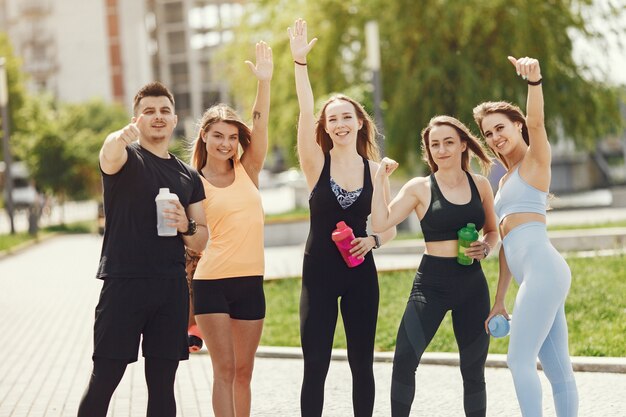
<point>443,219</point>
<point>326,212</point>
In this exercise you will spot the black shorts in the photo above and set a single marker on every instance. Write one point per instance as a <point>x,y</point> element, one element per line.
<point>242,298</point>
<point>158,309</point>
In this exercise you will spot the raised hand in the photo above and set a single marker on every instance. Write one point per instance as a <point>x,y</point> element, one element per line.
<point>264,67</point>
<point>386,167</point>
<point>300,47</point>
<point>527,68</point>
<point>130,132</point>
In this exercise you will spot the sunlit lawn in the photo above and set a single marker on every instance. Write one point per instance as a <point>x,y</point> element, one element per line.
<point>595,309</point>
<point>8,241</point>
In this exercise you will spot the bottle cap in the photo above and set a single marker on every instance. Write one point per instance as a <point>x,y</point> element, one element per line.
<point>341,232</point>
<point>499,326</point>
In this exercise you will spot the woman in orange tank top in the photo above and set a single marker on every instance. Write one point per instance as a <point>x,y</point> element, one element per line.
<point>229,303</point>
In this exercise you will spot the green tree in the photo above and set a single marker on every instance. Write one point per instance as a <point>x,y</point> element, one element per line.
<point>438,57</point>
<point>456,53</point>
<point>336,63</point>
<point>61,145</point>
<point>16,86</point>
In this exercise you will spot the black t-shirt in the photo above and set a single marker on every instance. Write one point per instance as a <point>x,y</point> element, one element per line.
<point>131,246</point>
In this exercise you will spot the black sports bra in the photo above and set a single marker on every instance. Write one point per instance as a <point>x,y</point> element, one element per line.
<point>443,219</point>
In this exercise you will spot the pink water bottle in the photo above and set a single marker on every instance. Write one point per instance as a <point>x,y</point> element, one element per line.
<point>343,236</point>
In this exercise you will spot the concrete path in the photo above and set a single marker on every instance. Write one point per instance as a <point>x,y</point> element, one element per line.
<point>47,300</point>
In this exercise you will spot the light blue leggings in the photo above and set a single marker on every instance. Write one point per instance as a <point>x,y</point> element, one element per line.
<point>538,326</point>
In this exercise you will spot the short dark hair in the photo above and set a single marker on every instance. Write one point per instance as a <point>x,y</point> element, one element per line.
<point>154,89</point>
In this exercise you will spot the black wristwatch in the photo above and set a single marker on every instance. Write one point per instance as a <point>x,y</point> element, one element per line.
<point>376,241</point>
<point>192,228</point>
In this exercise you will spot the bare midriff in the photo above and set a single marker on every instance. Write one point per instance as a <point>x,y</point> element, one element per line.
<point>511,221</point>
<point>444,248</point>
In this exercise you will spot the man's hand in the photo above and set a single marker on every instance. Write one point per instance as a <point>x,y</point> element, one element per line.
<point>177,216</point>
<point>129,133</point>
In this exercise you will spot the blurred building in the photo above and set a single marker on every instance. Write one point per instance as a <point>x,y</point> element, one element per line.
<point>62,45</point>
<point>184,38</point>
<point>81,49</point>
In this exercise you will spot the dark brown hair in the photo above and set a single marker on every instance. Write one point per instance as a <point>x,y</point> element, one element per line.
<point>473,144</point>
<point>154,89</point>
<point>366,145</point>
<point>215,114</point>
<point>511,111</point>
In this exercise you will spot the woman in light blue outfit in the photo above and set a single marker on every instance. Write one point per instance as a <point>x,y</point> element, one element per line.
<point>538,328</point>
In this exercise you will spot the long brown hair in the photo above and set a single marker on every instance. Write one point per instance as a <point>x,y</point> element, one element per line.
<point>366,145</point>
<point>215,114</point>
<point>474,147</point>
<point>511,111</point>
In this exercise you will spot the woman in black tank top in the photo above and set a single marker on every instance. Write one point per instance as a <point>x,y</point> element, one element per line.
<point>444,202</point>
<point>336,153</point>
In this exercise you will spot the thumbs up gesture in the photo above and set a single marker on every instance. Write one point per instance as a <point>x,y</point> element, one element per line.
<point>526,67</point>
<point>130,132</point>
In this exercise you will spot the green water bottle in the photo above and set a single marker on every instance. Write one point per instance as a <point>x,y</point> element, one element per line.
<point>466,235</point>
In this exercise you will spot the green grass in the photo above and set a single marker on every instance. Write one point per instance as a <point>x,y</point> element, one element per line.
<point>293,215</point>
<point>404,235</point>
<point>11,241</point>
<point>8,242</point>
<point>600,225</point>
<point>72,228</point>
<point>595,309</point>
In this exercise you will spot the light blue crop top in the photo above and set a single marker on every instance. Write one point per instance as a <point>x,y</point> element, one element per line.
<point>517,196</point>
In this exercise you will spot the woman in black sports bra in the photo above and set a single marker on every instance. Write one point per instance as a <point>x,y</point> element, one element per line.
<point>335,153</point>
<point>444,202</point>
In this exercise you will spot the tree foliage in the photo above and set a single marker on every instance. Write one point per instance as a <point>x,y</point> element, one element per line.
<point>61,144</point>
<point>438,57</point>
<point>336,63</point>
<point>16,86</point>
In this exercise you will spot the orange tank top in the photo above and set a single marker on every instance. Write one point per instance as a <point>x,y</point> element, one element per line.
<point>235,220</point>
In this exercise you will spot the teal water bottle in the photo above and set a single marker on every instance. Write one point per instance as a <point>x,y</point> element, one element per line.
<point>466,235</point>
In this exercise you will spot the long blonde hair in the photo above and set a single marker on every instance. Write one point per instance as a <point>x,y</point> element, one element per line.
<point>366,145</point>
<point>474,147</point>
<point>215,114</point>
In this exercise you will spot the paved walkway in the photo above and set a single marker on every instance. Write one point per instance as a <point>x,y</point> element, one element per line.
<point>47,300</point>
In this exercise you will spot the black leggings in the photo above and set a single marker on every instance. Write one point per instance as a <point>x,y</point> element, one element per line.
<point>107,374</point>
<point>441,285</point>
<point>318,317</point>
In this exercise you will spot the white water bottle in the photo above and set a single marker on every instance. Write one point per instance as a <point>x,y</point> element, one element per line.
<point>163,202</point>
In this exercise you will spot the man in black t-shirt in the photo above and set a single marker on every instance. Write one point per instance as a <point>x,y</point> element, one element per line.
<point>144,296</point>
